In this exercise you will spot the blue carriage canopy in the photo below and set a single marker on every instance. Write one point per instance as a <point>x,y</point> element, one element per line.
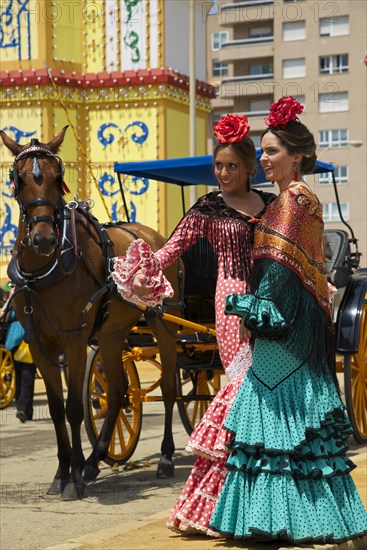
<point>192,170</point>
<point>186,171</point>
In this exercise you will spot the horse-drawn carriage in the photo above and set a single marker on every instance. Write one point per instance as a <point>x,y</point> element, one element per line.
<point>62,250</point>
<point>198,371</point>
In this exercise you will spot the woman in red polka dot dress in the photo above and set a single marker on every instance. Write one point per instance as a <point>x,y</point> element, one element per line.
<point>223,220</point>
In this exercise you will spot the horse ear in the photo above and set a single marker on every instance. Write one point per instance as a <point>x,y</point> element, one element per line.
<point>12,145</point>
<point>55,142</point>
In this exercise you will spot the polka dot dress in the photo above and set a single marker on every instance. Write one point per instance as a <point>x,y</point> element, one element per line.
<point>289,476</point>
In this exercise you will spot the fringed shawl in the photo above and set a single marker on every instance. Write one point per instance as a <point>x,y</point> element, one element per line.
<point>290,232</point>
<point>229,233</point>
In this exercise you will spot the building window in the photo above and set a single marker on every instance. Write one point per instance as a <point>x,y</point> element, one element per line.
<point>330,211</point>
<point>296,30</point>
<point>294,68</point>
<point>333,138</point>
<point>257,140</point>
<point>260,68</point>
<point>334,26</point>
<point>333,64</point>
<point>220,69</point>
<point>333,102</point>
<point>341,174</point>
<point>218,38</point>
<point>260,32</point>
<point>258,106</point>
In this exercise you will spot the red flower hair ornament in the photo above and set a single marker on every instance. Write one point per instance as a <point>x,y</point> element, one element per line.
<point>283,111</point>
<point>231,128</point>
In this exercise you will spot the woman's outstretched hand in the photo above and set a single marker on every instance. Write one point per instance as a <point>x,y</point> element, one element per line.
<point>141,285</point>
<point>245,333</point>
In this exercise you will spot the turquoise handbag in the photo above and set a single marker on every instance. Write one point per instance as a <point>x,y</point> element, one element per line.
<point>14,335</point>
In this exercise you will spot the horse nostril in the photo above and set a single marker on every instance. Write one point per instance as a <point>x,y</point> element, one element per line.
<point>45,244</point>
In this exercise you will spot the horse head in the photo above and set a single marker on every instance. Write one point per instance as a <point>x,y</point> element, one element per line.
<point>37,177</point>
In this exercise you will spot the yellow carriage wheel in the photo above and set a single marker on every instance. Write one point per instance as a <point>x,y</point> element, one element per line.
<point>7,378</point>
<point>126,433</point>
<point>355,380</point>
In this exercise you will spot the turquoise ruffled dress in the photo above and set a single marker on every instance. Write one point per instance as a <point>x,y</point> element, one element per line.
<point>289,476</point>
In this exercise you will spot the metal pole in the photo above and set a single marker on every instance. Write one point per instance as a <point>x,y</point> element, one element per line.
<point>192,91</point>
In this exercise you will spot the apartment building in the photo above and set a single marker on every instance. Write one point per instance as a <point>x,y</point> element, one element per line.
<point>260,50</point>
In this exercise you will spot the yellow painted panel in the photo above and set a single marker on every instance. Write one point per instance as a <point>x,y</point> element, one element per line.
<point>67,31</point>
<point>69,149</point>
<point>23,122</point>
<point>178,145</point>
<point>94,38</point>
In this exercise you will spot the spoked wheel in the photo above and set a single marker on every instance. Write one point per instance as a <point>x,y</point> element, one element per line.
<point>7,378</point>
<point>196,387</point>
<point>126,433</point>
<point>355,380</point>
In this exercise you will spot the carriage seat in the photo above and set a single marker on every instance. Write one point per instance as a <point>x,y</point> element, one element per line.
<point>337,252</point>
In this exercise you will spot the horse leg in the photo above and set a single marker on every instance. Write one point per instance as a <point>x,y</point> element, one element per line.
<point>52,379</point>
<point>117,389</point>
<point>77,357</point>
<point>168,354</point>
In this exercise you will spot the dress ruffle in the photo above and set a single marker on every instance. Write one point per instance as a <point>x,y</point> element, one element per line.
<point>262,317</point>
<point>192,511</point>
<point>139,257</point>
<point>274,423</point>
<point>210,439</point>
<point>326,510</point>
<point>196,504</point>
<point>288,471</point>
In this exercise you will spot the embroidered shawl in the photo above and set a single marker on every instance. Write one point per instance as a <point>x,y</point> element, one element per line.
<point>290,232</point>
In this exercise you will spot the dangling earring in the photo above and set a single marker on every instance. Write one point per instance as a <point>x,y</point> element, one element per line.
<point>295,172</point>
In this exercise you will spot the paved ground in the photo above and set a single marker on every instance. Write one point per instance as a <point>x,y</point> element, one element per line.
<point>123,510</point>
<point>152,534</point>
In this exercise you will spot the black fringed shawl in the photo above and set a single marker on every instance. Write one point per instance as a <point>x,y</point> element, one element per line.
<point>209,224</point>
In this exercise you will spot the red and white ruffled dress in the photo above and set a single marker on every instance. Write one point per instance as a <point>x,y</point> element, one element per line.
<point>230,234</point>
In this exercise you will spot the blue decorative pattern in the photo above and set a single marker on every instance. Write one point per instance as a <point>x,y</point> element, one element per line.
<point>145,131</point>
<point>18,134</point>
<point>135,185</point>
<point>107,180</point>
<point>107,139</point>
<point>13,12</point>
<point>8,232</point>
<point>137,190</point>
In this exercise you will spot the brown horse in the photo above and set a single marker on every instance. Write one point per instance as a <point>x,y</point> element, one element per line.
<point>60,264</point>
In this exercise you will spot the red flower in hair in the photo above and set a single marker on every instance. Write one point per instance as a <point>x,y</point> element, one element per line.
<point>231,128</point>
<point>283,111</point>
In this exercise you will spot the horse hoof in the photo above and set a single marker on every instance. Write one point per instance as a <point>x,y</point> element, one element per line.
<point>56,487</point>
<point>90,473</point>
<point>73,491</point>
<point>165,469</point>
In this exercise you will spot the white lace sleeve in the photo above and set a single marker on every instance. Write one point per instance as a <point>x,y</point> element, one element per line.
<point>139,257</point>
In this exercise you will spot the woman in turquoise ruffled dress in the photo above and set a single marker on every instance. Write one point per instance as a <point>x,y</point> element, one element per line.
<point>289,475</point>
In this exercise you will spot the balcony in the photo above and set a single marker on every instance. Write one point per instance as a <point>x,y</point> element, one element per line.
<point>234,50</point>
<point>240,12</point>
<point>247,86</point>
<point>247,78</point>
